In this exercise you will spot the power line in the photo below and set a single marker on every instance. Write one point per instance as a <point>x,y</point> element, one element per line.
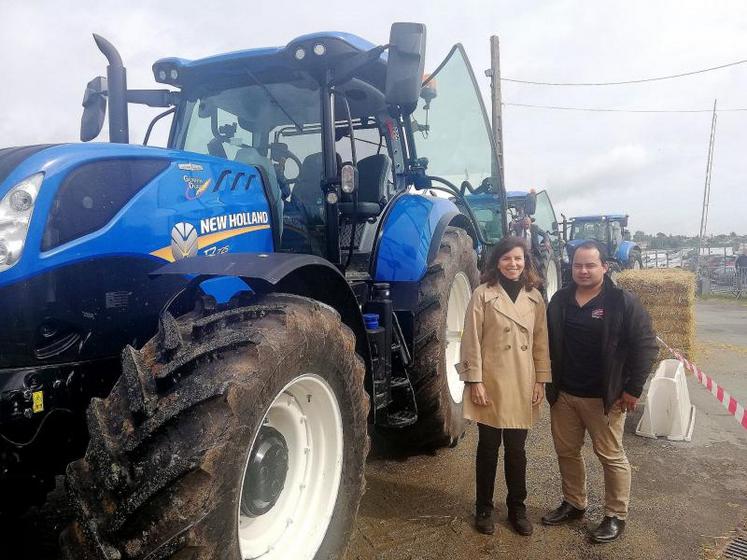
<point>624,82</point>
<point>620,110</point>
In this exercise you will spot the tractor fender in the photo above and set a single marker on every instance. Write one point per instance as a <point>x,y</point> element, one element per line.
<point>623,251</point>
<point>410,235</point>
<point>300,274</point>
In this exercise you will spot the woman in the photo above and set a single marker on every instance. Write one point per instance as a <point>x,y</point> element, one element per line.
<point>505,364</point>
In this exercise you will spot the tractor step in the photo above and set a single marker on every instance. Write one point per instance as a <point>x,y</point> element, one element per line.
<point>398,382</point>
<point>400,419</point>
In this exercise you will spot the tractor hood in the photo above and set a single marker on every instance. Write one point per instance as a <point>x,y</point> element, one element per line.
<point>91,200</point>
<point>10,158</point>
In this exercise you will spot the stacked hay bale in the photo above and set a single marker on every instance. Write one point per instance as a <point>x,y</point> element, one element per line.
<point>669,297</point>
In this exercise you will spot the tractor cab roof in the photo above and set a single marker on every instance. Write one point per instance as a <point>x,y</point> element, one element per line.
<point>307,53</point>
<point>598,218</point>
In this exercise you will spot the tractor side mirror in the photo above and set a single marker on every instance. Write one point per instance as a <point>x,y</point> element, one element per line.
<point>405,65</point>
<point>94,109</point>
<point>530,206</point>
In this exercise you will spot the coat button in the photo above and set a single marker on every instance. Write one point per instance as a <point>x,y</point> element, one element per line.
<point>523,330</point>
<point>524,346</point>
<point>507,329</point>
<point>508,347</point>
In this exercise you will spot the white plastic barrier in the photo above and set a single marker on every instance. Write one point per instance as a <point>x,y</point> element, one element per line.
<point>668,411</point>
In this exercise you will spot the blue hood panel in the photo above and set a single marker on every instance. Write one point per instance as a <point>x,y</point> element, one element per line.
<point>197,203</point>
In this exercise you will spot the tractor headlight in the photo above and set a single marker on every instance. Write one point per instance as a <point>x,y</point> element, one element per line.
<point>16,208</point>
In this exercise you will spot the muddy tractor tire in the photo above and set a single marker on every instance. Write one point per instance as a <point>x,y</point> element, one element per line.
<point>443,296</point>
<point>238,434</point>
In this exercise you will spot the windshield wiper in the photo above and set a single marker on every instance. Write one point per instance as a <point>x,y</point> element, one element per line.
<point>299,128</point>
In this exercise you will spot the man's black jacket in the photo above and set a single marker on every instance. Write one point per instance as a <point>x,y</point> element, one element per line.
<point>629,345</point>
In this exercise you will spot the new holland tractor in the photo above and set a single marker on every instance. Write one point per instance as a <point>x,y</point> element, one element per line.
<point>200,337</point>
<point>611,231</point>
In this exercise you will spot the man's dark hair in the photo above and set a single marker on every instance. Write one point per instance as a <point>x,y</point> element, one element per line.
<point>592,244</point>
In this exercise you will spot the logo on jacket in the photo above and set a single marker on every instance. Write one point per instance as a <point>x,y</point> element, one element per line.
<point>597,313</point>
<point>183,241</point>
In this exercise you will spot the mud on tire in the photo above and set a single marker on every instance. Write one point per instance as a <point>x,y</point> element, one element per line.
<point>440,421</point>
<point>162,476</point>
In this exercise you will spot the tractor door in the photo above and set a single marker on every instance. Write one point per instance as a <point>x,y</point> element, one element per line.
<point>452,130</point>
<point>546,220</point>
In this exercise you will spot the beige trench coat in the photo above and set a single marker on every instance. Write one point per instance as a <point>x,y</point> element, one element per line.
<point>505,346</point>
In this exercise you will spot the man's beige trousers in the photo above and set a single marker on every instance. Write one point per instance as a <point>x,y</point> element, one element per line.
<point>570,418</point>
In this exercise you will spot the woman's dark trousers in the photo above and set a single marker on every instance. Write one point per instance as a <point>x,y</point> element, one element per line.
<point>515,467</point>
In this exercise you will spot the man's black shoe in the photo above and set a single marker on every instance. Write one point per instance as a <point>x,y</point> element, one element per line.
<point>521,524</point>
<point>484,522</point>
<point>609,529</point>
<point>563,514</point>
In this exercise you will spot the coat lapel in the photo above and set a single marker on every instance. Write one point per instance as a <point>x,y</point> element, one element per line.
<point>517,311</point>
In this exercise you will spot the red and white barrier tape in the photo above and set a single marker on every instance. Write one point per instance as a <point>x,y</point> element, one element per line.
<point>728,402</point>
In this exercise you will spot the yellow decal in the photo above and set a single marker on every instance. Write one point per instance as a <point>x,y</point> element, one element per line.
<point>203,241</point>
<point>202,188</point>
<point>37,401</point>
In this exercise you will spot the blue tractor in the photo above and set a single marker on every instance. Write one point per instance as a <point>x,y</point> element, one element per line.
<point>200,337</point>
<point>611,231</point>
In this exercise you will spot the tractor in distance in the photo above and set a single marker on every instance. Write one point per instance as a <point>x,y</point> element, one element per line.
<point>200,337</point>
<point>611,230</point>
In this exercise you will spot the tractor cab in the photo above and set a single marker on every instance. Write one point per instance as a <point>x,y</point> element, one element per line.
<point>609,230</point>
<point>335,126</point>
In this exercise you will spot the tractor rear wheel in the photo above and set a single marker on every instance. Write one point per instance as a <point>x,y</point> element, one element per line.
<point>443,296</point>
<point>237,435</point>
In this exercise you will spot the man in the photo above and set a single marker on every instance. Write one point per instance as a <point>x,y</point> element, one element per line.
<point>602,347</point>
<point>526,228</point>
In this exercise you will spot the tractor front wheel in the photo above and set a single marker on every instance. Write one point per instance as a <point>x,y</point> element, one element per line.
<point>237,435</point>
<point>439,320</point>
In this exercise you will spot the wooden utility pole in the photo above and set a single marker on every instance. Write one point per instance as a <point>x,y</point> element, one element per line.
<point>495,89</point>
<point>707,188</point>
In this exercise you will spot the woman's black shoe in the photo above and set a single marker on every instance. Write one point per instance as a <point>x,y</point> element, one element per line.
<point>521,524</point>
<point>609,529</point>
<point>563,514</point>
<point>484,522</point>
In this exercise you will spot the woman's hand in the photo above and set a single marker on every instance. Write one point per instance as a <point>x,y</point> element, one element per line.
<point>538,393</point>
<point>478,394</point>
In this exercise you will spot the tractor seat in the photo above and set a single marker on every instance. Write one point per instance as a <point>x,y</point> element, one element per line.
<point>307,192</point>
<point>373,176</point>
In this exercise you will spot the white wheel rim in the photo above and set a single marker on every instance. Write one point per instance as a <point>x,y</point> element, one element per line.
<point>306,413</point>
<point>457,307</point>
<point>551,277</point>
<point>636,264</point>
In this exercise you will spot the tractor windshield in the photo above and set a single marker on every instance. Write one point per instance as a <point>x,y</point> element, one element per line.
<point>596,230</point>
<point>235,123</point>
<point>453,132</point>
<point>277,126</point>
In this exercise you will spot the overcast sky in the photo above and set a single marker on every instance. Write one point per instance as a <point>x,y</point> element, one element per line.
<point>651,166</point>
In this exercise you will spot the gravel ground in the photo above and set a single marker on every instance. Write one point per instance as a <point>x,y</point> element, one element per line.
<point>687,498</point>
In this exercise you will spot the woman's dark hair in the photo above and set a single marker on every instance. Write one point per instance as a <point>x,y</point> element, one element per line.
<point>529,278</point>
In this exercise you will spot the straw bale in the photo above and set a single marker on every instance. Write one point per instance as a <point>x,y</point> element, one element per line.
<point>669,297</point>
